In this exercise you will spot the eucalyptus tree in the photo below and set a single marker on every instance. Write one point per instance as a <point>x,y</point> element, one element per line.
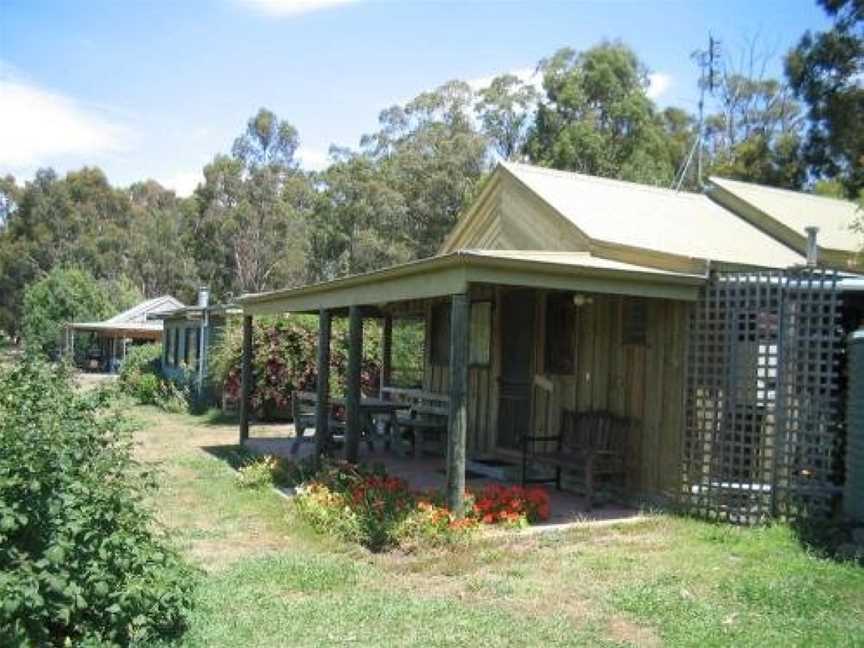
<point>160,253</point>
<point>825,71</point>
<point>596,117</point>
<point>756,134</point>
<point>505,110</point>
<point>250,229</point>
<point>354,226</point>
<point>267,142</point>
<point>430,153</point>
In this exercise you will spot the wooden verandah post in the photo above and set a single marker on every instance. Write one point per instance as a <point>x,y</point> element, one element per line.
<point>352,388</point>
<point>246,378</point>
<point>458,419</point>
<point>322,387</point>
<point>386,353</point>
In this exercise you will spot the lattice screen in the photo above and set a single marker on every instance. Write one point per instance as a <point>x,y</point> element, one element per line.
<point>762,419</point>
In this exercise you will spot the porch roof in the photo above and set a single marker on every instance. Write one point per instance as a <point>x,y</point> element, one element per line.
<point>137,330</point>
<point>451,273</point>
<point>132,322</point>
<point>196,312</point>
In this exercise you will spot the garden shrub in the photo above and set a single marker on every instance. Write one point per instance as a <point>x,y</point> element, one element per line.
<point>80,559</point>
<point>259,471</point>
<point>69,295</point>
<point>256,474</point>
<point>284,360</point>
<point>139,373</point>
<point>140,378</point>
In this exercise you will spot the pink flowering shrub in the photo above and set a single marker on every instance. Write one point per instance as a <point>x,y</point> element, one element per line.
<point>285,360</point>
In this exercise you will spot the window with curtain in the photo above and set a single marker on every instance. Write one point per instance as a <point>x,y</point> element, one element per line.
<point>166,347</point>
<point>196,346</point>
<point>634,328</point>
<point>175,350</point>
<point>560,356</point>
<point>187,346</point>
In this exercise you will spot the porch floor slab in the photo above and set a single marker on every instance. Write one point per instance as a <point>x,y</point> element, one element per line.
<point>428,472</point>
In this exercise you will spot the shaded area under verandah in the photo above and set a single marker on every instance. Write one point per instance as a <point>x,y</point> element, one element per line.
<point>448,280</point>
<point>111,343</point>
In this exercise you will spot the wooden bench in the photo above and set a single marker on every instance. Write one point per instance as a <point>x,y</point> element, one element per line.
<point>400,394</point>
<point>303,405</point>
<point>427,416</point>
<point>594,443</point>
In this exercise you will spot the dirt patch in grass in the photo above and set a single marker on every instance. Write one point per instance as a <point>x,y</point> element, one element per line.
<point>633,634</point>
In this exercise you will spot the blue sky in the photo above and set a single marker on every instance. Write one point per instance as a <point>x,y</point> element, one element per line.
<point>154,89</point>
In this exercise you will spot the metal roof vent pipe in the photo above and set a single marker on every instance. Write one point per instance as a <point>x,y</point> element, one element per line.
<point>812,247</point>
<point>203,297</point>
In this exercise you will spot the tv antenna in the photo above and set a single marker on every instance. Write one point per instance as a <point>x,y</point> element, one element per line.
<point>708,61</point>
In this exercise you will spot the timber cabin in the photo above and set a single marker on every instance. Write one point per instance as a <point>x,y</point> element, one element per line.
<point>558,292</point>
<point>190,333</point>
<point>105,349</point>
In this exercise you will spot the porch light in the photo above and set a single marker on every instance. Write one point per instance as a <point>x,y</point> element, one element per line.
<point>582,300</point>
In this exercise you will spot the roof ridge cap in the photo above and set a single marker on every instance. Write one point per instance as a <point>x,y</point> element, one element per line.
<point>585,177</point>
<point>784,190</point>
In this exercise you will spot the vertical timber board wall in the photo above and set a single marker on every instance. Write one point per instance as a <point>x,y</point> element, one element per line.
<point>436,377</point>
<point>482,386</point>
<point>643,382</point>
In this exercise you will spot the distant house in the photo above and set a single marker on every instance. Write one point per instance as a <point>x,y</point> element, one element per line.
<point>713,322</point>
<point>189,335</point>
<point>112,337</point>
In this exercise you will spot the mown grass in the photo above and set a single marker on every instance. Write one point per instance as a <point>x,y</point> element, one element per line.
<point>270,581</point>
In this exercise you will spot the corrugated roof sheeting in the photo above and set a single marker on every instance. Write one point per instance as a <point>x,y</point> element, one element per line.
<point>797,210</point>
<point>652,218</point>
<point>133,319</point>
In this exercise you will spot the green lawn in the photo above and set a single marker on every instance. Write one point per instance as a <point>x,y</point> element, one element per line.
<point>269,581</point>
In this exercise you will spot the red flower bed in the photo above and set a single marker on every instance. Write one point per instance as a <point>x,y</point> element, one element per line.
<point>511,504</point>
<point>382,511</point>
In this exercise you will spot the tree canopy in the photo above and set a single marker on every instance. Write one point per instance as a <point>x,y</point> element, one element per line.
<point>69,295</point>
<point>825,71</point>
<point>596,117</point>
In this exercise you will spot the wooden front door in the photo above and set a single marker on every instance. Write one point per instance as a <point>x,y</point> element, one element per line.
<point>517,361</point>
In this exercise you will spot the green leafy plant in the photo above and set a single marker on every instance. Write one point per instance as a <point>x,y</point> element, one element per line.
<point>257,473</point>
<point>173,395</point>
<point>139,372</point>
<point>284,360</point>
<point>67,295</point>
<point>140,378</point>
<point>80,557</point>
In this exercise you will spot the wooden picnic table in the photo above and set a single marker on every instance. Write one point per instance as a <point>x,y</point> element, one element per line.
<point>369,407</point>
<point>427,416</point>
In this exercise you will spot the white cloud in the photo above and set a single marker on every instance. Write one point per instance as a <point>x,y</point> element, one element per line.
<point>525,74</point>
<point>313,159</point>
<point>658,84</point>
<point>38,126</point>
<point>184,182</point>
<point>285,8</point>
